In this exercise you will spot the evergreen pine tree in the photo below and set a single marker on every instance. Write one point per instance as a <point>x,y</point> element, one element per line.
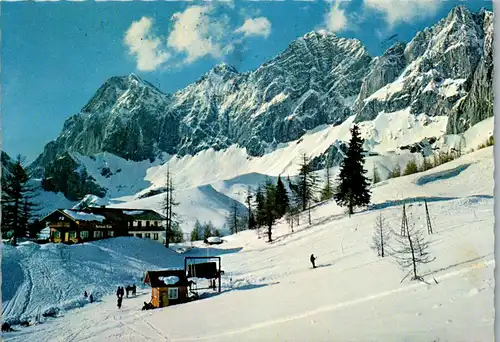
<point>233,220</point>
<point>167,206</point>
<point>177,235</point>
<point>259,199</point>
<point>17,199</point>
<point>327,191</point>
<point>251,217</point>
<point>209,230</point>
<point>304,187</point>
<point>270,212</point>
<point>352,190</point>
<point>196,232</point>
<point>282,201</point>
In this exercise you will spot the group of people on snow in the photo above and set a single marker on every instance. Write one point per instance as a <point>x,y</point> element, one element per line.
<point>120,292</point>
<point>91,297</point>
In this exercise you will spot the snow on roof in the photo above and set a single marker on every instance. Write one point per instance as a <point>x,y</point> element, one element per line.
<point>133,212</point>
<point>81,216</point>
<point>170,280</point>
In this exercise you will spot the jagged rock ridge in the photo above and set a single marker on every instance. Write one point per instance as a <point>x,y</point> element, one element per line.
<point>319,79</point>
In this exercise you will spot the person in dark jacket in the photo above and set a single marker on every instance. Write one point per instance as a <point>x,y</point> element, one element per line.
<point>118,292</point>
<point>134,290</point>
<point>91,298</point>
<point>120,302</point>
<point>313,259</point>
<point>85,294</point>
<point>6,327</point>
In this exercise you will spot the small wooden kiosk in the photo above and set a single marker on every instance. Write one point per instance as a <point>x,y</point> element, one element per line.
<point>168,287</point>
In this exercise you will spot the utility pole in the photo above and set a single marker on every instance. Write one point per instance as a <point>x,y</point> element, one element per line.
<point>429,225</point>
<point>404,222</point>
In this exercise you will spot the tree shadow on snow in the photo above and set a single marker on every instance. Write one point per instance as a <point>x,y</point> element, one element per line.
<point>418,200</point>
<point>209,294</point>
<point>446,174</point>
<point>211,251</point>
<point>409,200</point>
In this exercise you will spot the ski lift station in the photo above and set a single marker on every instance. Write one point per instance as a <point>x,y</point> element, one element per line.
<point>176,286</point>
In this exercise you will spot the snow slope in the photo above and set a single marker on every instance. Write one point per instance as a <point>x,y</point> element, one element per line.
<point>383,135</point>
<point>208,183</point>
<point>231,172</point>
<point>271,294</point>
<point>202,202</point>
<point>40,277</point>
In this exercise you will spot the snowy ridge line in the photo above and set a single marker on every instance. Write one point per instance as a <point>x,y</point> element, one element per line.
<point>333,307</point>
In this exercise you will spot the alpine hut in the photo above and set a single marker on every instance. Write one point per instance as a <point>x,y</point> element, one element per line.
<point>168,287</point>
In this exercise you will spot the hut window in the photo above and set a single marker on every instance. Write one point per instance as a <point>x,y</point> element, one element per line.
<point>148,235</point>
<point>173,293</point>
<point>156,223</point>
<point>84,234</point>
<point>147,223</point>
<point>97,234</point>
<point>139,224</point>
<point>72,235</point>
<point>155,236</point>
<point>139,235</point>
<point>111,233</point>
<point>57,234</point>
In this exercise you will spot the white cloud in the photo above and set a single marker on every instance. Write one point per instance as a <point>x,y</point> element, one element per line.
<point>196,34</point>
<point>145,46</point>
<point>403,10</point>
<point>255,27</point>
<point>335,18</point>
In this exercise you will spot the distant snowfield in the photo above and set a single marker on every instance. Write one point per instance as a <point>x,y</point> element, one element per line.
<point>269,291</point>
<point>208,183</point>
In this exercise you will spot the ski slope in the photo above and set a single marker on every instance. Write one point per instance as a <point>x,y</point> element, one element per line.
<point>270,293</point>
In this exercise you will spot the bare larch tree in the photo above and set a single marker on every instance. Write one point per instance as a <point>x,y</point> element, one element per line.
<point>381,236</point>
<point>412,252</point>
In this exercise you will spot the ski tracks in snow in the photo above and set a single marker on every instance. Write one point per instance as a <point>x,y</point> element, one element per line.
<point>328,308</point>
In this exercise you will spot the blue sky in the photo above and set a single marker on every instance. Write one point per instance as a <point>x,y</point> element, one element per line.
<point>56,55</point>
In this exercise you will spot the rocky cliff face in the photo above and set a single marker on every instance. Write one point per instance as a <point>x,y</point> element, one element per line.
<point>319,79</point>
<point>438,68</point>
<point>477,105</point>
<point>313,82</point>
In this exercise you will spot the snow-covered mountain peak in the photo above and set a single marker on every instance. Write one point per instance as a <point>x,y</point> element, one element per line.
<point>320,78</point>
<point>223,68</point>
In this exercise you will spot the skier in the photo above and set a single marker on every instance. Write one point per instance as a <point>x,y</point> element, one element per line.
<point>85,294</point>
<point>118,291</point>
<point>91,298</point>
<point>134,290</point>
<point>313,259</point>
<point>120,302</point>
<point>122,292</point>
<point>127,289</point>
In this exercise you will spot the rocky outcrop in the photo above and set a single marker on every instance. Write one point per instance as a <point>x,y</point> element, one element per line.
<point>65,175</point>
<point>333,156</point>
<point>313,82</point>
<point>439,64</point>
<point>478,104</point>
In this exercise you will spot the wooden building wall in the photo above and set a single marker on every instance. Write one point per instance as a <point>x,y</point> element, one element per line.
<point>157,292</point>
